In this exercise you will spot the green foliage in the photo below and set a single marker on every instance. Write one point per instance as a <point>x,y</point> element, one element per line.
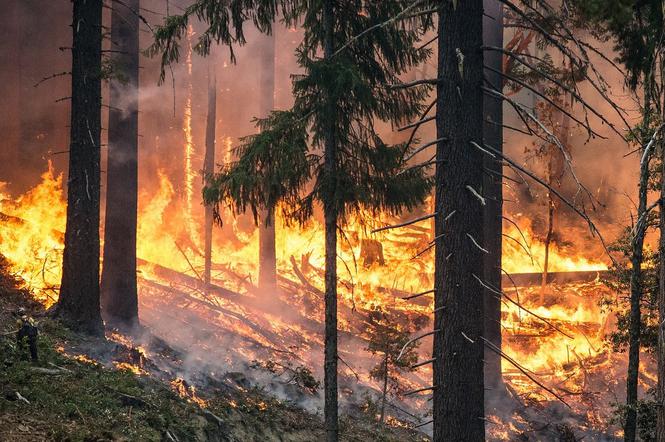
<point>275,165</point>
<point>386,338</point>
<point>619,283</point>
<point>647,409</point>
<point>339,97</point>
<point>225,21</point>
<point>85,401</point>
<point>634,25</point>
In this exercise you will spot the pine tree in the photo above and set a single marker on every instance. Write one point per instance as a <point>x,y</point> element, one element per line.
<point>390,340</point>
<point>118,285</point>
<point>344,165</point>
<point>636,27</point>
<point>78,304</point>
<point>459,296</point>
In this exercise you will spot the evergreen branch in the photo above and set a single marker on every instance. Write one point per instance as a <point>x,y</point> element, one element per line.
<point>377,26</point>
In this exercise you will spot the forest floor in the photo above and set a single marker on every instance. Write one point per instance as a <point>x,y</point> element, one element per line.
<point>96,389</point>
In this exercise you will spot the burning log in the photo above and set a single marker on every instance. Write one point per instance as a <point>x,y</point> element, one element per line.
<point>535,279</point>
<point>190,281</point>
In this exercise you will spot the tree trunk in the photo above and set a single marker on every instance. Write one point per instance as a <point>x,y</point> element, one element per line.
<point>78,304</point>
<point>630,426</point>
<point>267,253</point>
<point>10,29</point>
<point>459,300</point>
<point>492,186</point>
<point>660,396</point>
<point>384,391</point>
<point>555,171</point>
<point>330,216</point>
<point>208,169</point>
<point>118,287</point>
<point>548,235</point>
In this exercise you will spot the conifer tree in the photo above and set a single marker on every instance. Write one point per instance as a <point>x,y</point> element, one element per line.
<point>391,341</point>
<point>459,297</point>
<point>78,304</point>
<point>325,149</point>
<point>118,285</point>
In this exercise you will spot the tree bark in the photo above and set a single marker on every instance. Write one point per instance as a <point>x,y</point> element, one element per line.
<point>208,169</point>
<point>630,425</point>
<point>330,212</point>
<point>660,396</point>
<point>118,286</point>
<point>267,253</point>
<point>493,190</point>
<point>459,300</point>
<point>78,304</point>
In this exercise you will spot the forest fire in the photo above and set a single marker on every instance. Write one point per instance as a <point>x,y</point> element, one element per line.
<point>399,218</point>
<point>560,343</point>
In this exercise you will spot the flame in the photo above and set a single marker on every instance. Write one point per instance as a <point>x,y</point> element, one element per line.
<point>31,235</point>
<point>523,252</point>
<point>557,347</point>
<point>186,391</point>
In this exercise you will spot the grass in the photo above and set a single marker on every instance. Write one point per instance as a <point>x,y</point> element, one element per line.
<point>67,396</point>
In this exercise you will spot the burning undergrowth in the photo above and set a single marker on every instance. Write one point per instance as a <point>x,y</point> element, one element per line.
<point>231,333</point>
<point>85,388</point>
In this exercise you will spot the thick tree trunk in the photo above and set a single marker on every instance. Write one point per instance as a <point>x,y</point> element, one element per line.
<point>630,425</point>
<point>118,287</point>
<point>459,300</point>
<point>493,190</point>
<point>267,253</point>
<point>78,304</point>
<point>209,168</point>
<point>10,28</point>
<point>330,213</point>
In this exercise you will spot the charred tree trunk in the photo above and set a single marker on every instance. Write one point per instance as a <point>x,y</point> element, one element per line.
<point>208,169</point>
<point>493,190</point>
<point>330,213</point>
<point>267,253</point>
<point>555,171</point>
<point>78,304</point>
<point>459,300</point>
<point>634,332</point>
<point>119,292</point>
<point>550,231</point>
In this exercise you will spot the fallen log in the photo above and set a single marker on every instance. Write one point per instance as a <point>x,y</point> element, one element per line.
<point>535,279</point>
